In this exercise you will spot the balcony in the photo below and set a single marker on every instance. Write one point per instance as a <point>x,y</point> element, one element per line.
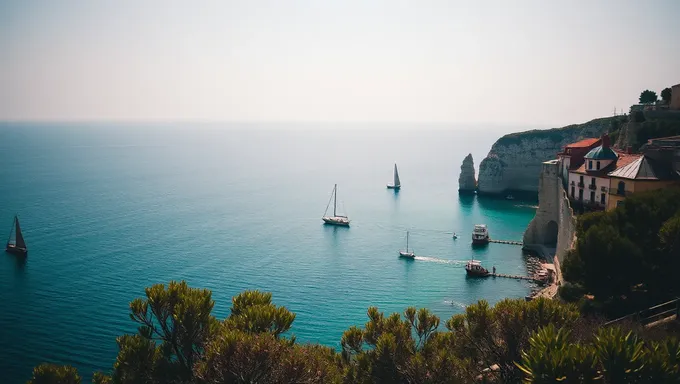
<point>572,183</point>
<point>592,187</point>
<point>619,192</point>
<point>603,189</point>
<point>580,185</point>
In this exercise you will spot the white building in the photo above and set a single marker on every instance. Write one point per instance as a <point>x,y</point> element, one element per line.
<point>590,183</point>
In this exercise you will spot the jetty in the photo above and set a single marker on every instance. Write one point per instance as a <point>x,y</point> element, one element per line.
<point>517,277</point>
<point>511,242</point>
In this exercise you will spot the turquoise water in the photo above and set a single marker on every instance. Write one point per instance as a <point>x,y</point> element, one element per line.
<point>109,209</point>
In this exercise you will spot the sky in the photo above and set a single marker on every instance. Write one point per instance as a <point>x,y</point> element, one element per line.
<point>540,62</point>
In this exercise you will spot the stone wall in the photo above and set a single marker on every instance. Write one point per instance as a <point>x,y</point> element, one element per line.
<point>554,225</point>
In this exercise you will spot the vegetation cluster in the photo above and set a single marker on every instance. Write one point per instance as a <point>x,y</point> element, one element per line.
<point>627,258</point>
<point>541,341</point>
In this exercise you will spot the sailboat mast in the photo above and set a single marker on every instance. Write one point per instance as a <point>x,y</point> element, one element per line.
<point>406,241</point>
<point>335,200</point>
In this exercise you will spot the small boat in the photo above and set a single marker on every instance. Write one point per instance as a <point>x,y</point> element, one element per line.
<point>335,219</point>
<point>18,246</point>
<point>509,197</point>
<point>480,235</point>
<point>396,183</point>
<point>474,268</point>
<point>406,253</point>
<point>454,236</point>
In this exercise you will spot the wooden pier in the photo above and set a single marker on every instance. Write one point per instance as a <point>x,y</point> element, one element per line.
<point>511,242</point>
<point>517,277</point>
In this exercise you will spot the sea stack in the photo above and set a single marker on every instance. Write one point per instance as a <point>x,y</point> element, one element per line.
<point>466,181</point>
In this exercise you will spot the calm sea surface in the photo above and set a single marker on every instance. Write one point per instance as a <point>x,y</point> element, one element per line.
<point>108,209</point>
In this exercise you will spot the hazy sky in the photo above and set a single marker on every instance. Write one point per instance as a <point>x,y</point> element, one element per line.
<point>529,62</point>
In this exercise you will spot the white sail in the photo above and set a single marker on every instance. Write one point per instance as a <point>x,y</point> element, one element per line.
<point>397,183</point>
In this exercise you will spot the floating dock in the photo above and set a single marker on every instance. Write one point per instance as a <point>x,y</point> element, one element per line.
<point>511,242</point>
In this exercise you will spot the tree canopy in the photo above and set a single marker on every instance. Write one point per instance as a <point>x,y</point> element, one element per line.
<point>666,94</point>
<point>628,257</point>
<point>514,341</point>
<point>648,96</point>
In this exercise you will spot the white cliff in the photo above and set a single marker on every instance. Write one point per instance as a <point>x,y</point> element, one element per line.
<point>466,180</point>
<point>515,160</point>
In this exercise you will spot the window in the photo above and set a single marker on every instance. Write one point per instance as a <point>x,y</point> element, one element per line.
<point>597,165</point>
<point>592,181</point>
<point>619,203</point>
<point>580,194</point>
<point>572,191</point>
<point>622,188</point>
<point>592,196</point>
<point>590,164</point>
<point>580,179</point>
<point>602,198</point>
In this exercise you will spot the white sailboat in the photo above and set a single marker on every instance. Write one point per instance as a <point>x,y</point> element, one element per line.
<point>406,253</point>
<point>335,219</point>
<point>397,183</point>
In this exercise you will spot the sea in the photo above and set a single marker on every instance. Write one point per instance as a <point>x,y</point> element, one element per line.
<point>108,209</point>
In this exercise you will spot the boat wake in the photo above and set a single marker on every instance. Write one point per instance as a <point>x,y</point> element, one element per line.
<point>455,304</point>
<point>441,261</point>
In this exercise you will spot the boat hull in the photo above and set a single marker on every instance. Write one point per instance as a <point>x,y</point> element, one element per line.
<point>16,250</point>
<point>341,222</point>
<point>482,241</point>
<point>473,273</point>
<point>396,187</point>
<point>407,255</point>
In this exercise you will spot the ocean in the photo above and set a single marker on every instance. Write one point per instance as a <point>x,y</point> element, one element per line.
<point>108,209</point>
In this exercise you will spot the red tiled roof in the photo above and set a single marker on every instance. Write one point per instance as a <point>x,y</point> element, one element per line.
<point>585,143</point>
<point>623,160</point>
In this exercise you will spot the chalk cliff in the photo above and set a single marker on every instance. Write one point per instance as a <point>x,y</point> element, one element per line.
<point>466,180</point>
<point>514,162</point>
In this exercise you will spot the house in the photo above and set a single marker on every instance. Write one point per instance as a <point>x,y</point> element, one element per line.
<point>571,156</point>
<point>589,183</point>
<point>675,97</point>
<point>643,174</point>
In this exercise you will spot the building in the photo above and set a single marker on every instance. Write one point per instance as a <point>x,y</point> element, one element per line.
<point>675,97</point>
<point>589,184</point>
<point>643,174</point>
<point>571,156</point>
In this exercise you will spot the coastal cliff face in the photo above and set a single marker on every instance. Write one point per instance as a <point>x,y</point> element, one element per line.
<point>466,180</point>
<point>514,162</point>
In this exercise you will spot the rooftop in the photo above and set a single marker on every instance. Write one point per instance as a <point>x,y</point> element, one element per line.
<point>622,160</point>
<point>644,168</point>
<point>585,143</point>
<point>601,153</point>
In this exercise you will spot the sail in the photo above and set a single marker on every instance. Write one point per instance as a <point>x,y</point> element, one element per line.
<point>396,177</point>
<point>19,237</point>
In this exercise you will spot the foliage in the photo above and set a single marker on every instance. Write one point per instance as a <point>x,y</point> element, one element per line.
<point>497,335</point>
<point>613,356</point>
<point>242,357</point>
<point>657,128</point>
<point>537,342</point>
<point>54,374</point>
<point>666,94</point>
<point>648,96</point>
<point>253,312</point>
<point>630,251</point>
